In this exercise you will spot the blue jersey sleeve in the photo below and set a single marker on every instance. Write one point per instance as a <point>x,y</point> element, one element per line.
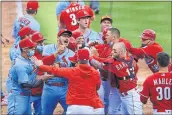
<point>94,36</point>
<point>35,25</point>
<point>48,50</point>
<point>22,74</point>
<point>60,7</point>
<point>16,28</point>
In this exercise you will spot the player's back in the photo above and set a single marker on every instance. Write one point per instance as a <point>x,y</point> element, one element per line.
<point>68,16</point>
<point>26,20</point>
<point>161,91</point>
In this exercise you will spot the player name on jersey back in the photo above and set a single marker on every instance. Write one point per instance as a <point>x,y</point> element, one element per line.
<point>74,9</point>
<point>121,66</point>
<point>24,21</point>
<point>162,81</point>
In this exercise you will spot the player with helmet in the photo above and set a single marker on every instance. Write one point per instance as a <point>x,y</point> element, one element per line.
<point>148,50</point>
<point>157,87</point>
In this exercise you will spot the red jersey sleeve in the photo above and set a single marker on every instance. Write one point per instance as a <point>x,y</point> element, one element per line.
<point>49,60</point>
<point>145,93</point>
<point>64,72</point>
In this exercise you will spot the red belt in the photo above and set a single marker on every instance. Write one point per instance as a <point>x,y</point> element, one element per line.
<point>56,84</point>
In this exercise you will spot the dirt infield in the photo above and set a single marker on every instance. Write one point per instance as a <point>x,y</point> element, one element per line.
<point>8,17</point>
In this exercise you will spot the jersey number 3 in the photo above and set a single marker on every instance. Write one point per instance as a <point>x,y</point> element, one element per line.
<point>164,93</point>
<point>73,17</point>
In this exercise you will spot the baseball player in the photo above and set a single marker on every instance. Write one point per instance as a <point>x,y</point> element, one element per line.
<point>83,19</point>
<point>110,93</point>
<point>157,87</point>
<point>105,22</point>
<point>124,69</point>
<point>23,77</point>
<point>15,50</point>
<point>26,20</point>
<point>83,83</point>
<point>54,90</point>
<point>62,5</point>
<point>68,18</point>
<point>38,38</point>
<point>148,50</point>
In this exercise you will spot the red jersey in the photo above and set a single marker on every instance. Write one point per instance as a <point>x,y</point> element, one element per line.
<point>170,67</point>
<point>83,84</point>
<point>126,42</point>
<point>121,69</point>
<point>149,53</point>
<point>158,88</point>
<point>68,16</point>
<point>104,50</point>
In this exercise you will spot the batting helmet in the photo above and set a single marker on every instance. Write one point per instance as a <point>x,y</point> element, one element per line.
<point>25,31</point>
<point>37,37</point>
<point>82,14</point>
<point>148,34</point>
<point>27,43</point>
<point>32,5</point>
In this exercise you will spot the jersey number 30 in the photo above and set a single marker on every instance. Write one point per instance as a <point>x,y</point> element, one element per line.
<point>73,17</point>
<point>164,93</point>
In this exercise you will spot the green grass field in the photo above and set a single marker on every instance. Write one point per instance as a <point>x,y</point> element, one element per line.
<point>130,17</point>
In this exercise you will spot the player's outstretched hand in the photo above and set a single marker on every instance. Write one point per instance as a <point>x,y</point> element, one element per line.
<point>36,61</point>
<point>94,51</point>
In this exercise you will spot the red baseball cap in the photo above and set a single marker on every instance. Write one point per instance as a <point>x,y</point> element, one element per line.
<point>83,54</point>
<point>32,5</point>
<point>27,43</point>
<point>37,37</point>
<point>76,34</point>
<point>25,31</point>
<point>82,14</point>
<point>74,59</point>
<point>148,34</point>
<point>64,31</point>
